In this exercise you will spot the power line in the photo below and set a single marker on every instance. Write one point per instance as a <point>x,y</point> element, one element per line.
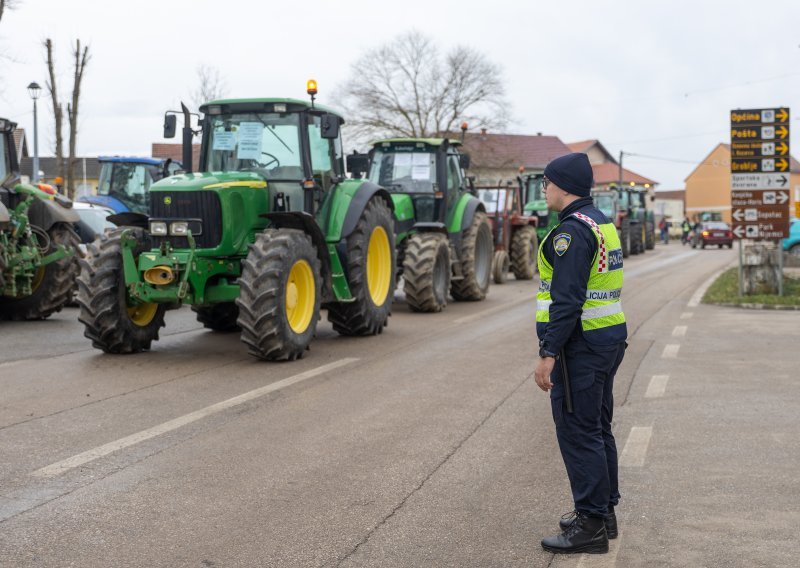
<point>669,138</point>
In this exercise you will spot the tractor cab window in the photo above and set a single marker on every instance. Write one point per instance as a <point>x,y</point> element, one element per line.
<point>624,199</point>
<point>4,166</point>
<point>605,203</point>
<point>404,171</point>
<point>266,143</point>
<point>126,181</point>
<point>321,163</point>
<point>534,192</point>
<point>494,199</point>
<point>454,179</point>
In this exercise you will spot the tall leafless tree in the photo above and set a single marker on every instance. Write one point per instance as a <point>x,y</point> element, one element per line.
<point>58,109</point>
<point>81,58</point>
<point>7,4</point>
<point>408,88</point>
<point>210,85</point>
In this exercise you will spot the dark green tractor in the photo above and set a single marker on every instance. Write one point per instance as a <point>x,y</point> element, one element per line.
<point>443,234</point>
<point>536,204</point>
<point>265,236</point>
<point>38,244</point>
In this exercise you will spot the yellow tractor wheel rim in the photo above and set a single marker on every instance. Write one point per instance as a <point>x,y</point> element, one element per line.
<point>300,296</point>
<point>379,266</point>
<point>38,278</point>
<point>142,314</point>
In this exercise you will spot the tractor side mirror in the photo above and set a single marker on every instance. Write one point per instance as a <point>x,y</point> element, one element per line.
<point>357,164</point>
<point>170,125</point>
<point>330,126</point>
<point>463,160</point>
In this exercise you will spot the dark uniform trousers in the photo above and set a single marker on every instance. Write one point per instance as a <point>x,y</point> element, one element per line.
<point>584,437</point>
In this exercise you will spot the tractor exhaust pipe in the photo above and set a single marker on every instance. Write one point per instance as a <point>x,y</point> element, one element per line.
<point>159,275</point>
<point>187,139</point>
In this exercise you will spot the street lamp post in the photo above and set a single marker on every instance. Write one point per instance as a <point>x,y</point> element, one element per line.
<point>34,90</point>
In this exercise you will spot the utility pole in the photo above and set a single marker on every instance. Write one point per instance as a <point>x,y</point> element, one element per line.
<point>621,177</point>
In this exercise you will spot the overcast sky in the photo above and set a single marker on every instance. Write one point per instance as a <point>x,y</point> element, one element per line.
<point>657,80</point>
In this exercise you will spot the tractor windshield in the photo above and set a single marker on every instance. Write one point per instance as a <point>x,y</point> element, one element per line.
<point>534,189</point>
<point>494,199</point>
<point>267,143</point>
<point>4,159</point>
<point>624,199</point>
<point>405,172</point>
<point>127,181</point>
<point>605,203</point>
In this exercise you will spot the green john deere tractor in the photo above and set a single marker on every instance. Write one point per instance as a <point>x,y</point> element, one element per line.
<point>268,234</point>
<point>443,234</point>
<point>38,262</point>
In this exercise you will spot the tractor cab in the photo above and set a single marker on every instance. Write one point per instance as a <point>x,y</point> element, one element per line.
<point>429,171</point>
<point>531,186</point>
<point>124,183</point>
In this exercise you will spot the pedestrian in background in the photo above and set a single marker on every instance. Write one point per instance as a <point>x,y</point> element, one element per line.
<point>686,227</point>
<point>663,226</point>
<point>582,331</point>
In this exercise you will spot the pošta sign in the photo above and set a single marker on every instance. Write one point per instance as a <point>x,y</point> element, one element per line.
<point>760,173</point>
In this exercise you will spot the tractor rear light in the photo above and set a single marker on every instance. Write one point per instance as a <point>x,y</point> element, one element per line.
<point>309,184</point>
<point>179,228</point>
<point>158,228</point>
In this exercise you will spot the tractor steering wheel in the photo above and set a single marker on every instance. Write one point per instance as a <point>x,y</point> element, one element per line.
<point>268,163</point>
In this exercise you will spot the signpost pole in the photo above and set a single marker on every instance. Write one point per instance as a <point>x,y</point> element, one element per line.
<point>780,270</point>
<point>741,270</point>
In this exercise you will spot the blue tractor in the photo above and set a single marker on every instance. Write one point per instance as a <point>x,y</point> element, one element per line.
<point>125,182</point>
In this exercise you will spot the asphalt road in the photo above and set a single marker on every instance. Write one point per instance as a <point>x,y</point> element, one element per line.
<point>429,445</point>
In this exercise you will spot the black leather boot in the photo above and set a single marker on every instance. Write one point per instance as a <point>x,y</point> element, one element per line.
<point>611,522</point>
<point>585,534</point>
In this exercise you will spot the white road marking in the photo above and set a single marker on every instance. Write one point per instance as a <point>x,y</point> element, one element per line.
<point>654,266</point>
<point>679,331</point>
<point>687,315</point>
<point>670,351</point>
<point>701,291</point>
<point>657,386</point>
<point>503,307</point>
<point>636,447</point>
<point>100,451</point>
<point>602,560</point>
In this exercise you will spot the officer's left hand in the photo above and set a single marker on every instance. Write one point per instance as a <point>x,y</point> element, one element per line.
<point>542,374</point>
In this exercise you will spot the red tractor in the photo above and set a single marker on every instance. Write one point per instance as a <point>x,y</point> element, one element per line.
<point>516,243</point>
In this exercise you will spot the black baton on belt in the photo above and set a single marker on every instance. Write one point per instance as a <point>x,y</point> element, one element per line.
<point>567,387</point>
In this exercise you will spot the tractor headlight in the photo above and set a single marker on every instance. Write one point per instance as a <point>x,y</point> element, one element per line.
<point>158,228</point>
<point>179,228</point>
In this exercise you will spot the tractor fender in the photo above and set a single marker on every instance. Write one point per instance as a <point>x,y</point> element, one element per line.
<point>365,191</point>
<point>130,219</point>
<point>5,216</point>
<point>46,213</point>
<point>464,213</point>
<point>306,223</point>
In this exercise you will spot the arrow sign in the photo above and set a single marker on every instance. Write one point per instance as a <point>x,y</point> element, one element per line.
<point>782,197</point>
<point>782,132</point>
<point>782,115</point>
<point>738,214</point>
<point>782,164</point>
<point>738,231</point>
<point>782,149</point>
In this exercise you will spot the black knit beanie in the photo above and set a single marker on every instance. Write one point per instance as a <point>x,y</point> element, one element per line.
<point>572,173</point>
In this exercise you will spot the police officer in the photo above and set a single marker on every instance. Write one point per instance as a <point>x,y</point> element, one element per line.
<point>582,332</point>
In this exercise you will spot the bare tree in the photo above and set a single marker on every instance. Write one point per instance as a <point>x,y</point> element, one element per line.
<point>58,109</point>
<point>81,58</point>
<point>407,88</point>
<point>7,4</point>
<point>210,85</point>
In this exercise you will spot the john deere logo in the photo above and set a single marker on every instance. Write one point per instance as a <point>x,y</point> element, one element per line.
<point>167,200</point>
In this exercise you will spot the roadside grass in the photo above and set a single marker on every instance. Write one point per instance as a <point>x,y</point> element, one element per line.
<point>725,290</point>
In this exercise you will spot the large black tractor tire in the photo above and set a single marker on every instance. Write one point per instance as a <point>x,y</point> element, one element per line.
<point>625,238</point>
<point>500,266</point>
<point>524,248</point>
<point>650,237</point>
<point>54,284</point>
<point>279,296</point>
<point>112,323</point>
<point>426,272</point>
<point>637,246</point>
<point>371,274</point>
<point>477,250</point>
<point>219,317</point>
<point>2,268</point>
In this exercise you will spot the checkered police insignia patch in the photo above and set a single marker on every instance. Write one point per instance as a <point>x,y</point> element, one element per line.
<point>561,243</point>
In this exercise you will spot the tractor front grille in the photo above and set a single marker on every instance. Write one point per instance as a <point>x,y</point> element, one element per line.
<point>184,205</point>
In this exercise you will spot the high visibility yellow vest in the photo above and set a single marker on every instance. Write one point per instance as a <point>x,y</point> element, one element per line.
<point>602,308</point>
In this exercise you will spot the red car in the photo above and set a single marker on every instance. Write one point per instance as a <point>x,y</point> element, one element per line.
<point>713,233</point>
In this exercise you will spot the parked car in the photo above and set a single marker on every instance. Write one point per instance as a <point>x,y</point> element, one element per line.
<point>93,222</point>
<point>791,244</point>
<point>713,233</point>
